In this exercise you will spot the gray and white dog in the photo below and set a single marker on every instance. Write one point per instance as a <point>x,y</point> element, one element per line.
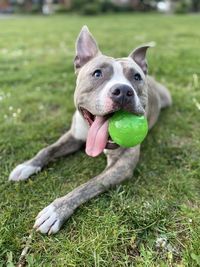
<point>104,85</point>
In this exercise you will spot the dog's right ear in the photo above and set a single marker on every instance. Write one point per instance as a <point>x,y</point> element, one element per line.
<point>86,48</point>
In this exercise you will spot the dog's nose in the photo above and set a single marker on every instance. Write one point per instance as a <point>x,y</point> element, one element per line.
<point>121,93</point>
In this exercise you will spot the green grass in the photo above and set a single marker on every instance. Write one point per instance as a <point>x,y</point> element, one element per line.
<point>119,228</point>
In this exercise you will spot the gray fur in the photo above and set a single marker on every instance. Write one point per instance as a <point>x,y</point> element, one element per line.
<point>149,98</point>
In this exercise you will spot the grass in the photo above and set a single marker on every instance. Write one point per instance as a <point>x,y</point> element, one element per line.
<point>123,226</point>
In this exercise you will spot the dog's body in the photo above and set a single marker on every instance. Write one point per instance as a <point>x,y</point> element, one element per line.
<point>104,85</point>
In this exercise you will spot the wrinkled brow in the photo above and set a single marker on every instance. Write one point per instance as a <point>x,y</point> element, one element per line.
<point>103,65</point>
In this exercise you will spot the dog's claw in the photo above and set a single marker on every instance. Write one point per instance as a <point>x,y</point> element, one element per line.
<point>54,228</point>
<point>23,172</point>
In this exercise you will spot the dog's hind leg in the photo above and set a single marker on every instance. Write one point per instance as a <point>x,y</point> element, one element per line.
<point>161,91</point>
<point>158,97</point>
<point>121,163</point>
<point>165,96</point>
<point>65,145</point>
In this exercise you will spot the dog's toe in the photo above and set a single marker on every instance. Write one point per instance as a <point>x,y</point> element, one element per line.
<point>48,220</point>
<point>23,172</point>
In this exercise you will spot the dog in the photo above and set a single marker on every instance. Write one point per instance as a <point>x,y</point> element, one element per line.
<point>104,85</point>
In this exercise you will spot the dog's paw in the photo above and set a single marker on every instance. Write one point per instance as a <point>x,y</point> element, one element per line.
<point>48,221</point>
<point>23,172</point>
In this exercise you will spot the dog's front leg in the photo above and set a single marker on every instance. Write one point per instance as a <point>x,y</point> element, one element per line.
<point>121,163</point>
<point>65,145</point>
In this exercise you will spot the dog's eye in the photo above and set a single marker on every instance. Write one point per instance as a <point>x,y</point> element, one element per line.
<point>97,73</point>
<point>137,77</point>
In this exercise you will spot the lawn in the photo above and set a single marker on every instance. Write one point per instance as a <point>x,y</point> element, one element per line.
<point>151,220</point>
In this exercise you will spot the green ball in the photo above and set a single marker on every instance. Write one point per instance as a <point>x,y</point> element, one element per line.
<point>126,129</point>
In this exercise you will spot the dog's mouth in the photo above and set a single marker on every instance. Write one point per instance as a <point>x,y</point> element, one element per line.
<point>98,137</point>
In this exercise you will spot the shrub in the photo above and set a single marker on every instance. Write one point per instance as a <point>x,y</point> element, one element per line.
<point>183,7</point>
<point>93,7</point>
<point>90,9</point>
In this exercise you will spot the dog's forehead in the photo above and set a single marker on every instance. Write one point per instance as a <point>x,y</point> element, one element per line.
<point>128,63</point>
<point>117,66</point>
<point>125,62</point>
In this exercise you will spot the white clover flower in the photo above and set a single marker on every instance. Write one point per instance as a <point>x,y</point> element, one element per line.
<point>4,51</point>
<point>41,107</point>
<point>161,242</point>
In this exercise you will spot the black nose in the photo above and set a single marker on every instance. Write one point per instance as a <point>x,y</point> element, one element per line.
<point>121,93</point>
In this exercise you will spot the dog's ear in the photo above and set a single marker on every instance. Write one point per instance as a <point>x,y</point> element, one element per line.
<point>139,56</point>
<point>86,48</point>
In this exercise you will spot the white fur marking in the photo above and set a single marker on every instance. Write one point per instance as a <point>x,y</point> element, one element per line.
<point>55,228</point>
<point>79,127</point>
<point>23,172</point>
<point>48,220</point>
<point>118,77</point>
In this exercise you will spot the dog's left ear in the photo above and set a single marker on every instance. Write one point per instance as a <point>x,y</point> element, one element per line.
<point>86,48</point>
<point>139,56</point>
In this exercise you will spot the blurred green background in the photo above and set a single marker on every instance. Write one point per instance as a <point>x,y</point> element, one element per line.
<point>94,7</point>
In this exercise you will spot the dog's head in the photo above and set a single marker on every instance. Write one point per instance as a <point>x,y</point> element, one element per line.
<point>105,85</point>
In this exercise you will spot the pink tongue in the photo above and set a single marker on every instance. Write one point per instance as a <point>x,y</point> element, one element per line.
<point>97,137</point>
